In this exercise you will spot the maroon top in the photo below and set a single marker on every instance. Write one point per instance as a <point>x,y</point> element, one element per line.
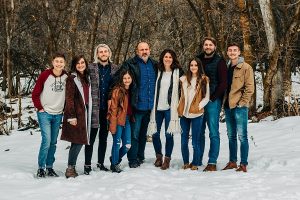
<point>129,108</point>
<point>85,87</point>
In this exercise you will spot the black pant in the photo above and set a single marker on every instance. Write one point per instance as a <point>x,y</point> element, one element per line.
<point>103,133</point>
<point>73,153</point>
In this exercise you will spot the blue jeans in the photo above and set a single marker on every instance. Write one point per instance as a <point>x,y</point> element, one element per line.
<point>160,115</point>
<point>212,117</point>
<point>123,133</point>
<point>237,122</point>
<point>138,136</point>
<point>194,124</point>
<point>49,125</point>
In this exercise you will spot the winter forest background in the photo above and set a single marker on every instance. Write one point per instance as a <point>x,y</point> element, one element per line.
<point>31,30</point>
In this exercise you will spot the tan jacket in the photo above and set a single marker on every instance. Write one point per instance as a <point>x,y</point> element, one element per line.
<point>116,114</point>
<point>194,108</point>
<point>242,87</point>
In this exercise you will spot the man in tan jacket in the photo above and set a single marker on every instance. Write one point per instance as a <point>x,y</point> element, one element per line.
<point>239,92</point>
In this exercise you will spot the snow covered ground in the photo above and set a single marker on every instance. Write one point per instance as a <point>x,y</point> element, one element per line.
<point>273,171</point>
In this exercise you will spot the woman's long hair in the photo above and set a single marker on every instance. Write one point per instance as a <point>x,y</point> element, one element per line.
<point>200,74</point>
<point>175,64</point>
<point>120,85</point>
<point>85,76</point>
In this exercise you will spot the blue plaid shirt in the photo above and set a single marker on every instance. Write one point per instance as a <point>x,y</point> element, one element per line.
<point>147,86</point>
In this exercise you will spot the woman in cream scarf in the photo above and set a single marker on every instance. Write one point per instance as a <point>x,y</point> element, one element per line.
<point>165,106</point>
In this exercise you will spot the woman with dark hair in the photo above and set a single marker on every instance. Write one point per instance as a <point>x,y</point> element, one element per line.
<point>118,115</point>
<point>165,104</point>
<point>194,96</point>
<point>77,113</point>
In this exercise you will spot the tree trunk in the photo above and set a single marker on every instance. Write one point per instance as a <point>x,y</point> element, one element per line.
<point>9,20</point>
<point>269,101</point>
<point>4,73</point>
<point>18,88</point>
<point>92,36</point>
<point>248,54</point>
<point>197,14</point>
<point>269,23</point>
<point>268,81</point>
<point>274,51</point>
<point>209,22</point>
<point>122,32</point>
<point>73,27</point>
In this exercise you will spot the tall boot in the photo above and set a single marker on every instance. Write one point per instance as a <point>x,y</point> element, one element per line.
<point>166,163</point>
<point>158,161</point>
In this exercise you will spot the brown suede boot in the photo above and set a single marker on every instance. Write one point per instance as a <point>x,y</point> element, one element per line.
<point>71,172</point>
<point>242,168</point>
<point>230,165</point>
<point>186,166</point>
<point>210,168</point>
<point>166,163</point>
<point>158,162</point>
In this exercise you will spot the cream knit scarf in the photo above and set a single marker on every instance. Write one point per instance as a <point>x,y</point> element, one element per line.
<point>174,125</point>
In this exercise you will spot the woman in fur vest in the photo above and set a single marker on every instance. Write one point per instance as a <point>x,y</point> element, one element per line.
<point>77,113</point>
<point>165,106</point>
<point>194,96</point>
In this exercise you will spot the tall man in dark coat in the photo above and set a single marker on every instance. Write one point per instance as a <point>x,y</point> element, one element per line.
<point>142,98</point>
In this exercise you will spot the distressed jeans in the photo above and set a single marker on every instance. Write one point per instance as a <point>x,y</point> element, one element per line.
<point>123,134</point>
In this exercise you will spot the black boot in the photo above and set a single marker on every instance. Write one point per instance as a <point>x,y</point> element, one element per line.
<point>115,168</point>
<point>120,160</point>
<point>87,169</point>
<point>51,172</point>
<point>102,167</point>
<point>41,173</point>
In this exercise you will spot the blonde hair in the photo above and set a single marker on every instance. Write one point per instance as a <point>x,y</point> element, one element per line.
<point>96,59</point>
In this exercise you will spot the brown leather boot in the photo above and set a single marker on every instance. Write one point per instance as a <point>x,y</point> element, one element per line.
<point>71,172</point>
<point>230,165</point>
<point>242,168</point>
<point>187,166</point>
<point>210,168</point>
<point>158,162</point>
<point>166,163</point>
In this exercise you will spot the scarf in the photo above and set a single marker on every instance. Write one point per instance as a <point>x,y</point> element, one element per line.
<point>174,125</point>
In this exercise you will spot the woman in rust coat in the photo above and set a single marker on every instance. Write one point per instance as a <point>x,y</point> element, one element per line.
<point>77,113</point>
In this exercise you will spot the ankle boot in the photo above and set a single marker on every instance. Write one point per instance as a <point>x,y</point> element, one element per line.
<point>71,172</point>
<point>158,161</point>
<point>166,163</point>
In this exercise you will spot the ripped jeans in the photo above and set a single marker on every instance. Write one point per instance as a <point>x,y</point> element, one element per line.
<point>123,134</point>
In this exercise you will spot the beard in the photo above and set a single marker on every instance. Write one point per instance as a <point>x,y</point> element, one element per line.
<point>103,60</point>
<point>209,54</point>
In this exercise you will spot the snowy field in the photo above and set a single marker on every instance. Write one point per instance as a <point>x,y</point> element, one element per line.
<point>273,171</point>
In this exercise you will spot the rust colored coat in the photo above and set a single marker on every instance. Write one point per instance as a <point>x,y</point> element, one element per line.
<point>117,111</point>
<point>75,108</point>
